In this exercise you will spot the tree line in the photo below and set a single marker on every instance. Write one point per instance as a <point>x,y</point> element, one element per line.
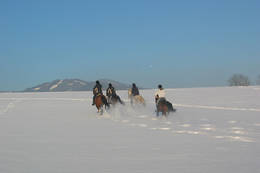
<point>242,80</point>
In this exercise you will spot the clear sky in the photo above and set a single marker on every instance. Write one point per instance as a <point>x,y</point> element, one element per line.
<point>183,43</point>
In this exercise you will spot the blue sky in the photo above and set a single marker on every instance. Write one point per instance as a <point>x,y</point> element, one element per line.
<point>175,43</point>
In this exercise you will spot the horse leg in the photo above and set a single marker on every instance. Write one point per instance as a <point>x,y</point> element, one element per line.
<point>120,101</point>
<point>164,113</point>
<point>142,101</point>
<point>131,101</point>
<point>101,111</point>
<point>167,111</point>
<point>97,108</point>
<point>164,110</point>
<point>157,111</point>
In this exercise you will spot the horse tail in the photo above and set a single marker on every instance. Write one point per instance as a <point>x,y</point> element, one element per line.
<point>129,93</point>
<point>170,107</point>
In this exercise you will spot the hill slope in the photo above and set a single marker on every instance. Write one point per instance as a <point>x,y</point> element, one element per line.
<point>74,85</point>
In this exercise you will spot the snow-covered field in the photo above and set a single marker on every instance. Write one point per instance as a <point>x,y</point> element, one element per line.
<point>214,130</point>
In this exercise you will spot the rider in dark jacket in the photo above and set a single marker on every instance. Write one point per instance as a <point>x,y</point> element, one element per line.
<point>111,93</point>
<point>97,90</point>
<point>135,90</point>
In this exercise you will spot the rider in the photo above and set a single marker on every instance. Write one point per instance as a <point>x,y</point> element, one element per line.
<point>135,90</point>
<point>111,93</point>
<point>160,95</point>
<point>97,90</point>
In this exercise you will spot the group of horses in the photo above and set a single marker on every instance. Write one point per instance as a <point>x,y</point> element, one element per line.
<point>102,102</point>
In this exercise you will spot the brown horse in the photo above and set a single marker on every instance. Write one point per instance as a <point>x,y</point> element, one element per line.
<point>138,99</point>
<point>100,101</point>
<point>164,107</point>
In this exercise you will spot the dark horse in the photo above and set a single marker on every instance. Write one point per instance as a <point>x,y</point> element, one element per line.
<point>165,107</point>
<point>100,101</point>
<point>115,99</point>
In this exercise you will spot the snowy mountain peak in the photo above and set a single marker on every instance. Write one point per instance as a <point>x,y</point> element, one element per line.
<point>74,85</point>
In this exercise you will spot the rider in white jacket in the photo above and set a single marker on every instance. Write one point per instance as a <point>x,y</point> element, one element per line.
<point>160,94</point>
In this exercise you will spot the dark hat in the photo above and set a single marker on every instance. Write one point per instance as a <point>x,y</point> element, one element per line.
<point>160,86</point>
<point>110,84</point>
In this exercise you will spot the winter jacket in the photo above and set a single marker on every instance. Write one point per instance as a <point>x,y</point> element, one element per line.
<point>135,91</point>
<point>161,93</point>
<point>110,91</point>
<point>97,89</point>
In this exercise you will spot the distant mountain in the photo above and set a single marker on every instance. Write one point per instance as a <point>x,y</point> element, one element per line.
<point>75,85</point>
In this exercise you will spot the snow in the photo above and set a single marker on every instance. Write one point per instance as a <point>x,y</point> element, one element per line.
<point>82,83</point>
<point>56,85</point>
<point>36,89</point>
<point>214,130</point>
